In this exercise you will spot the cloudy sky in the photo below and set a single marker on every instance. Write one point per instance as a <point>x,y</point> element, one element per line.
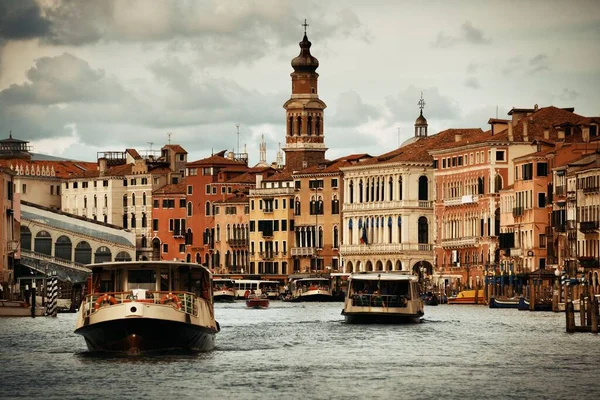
<point>77,77</point>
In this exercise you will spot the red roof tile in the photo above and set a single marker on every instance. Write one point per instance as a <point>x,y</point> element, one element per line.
<point>176,148</point>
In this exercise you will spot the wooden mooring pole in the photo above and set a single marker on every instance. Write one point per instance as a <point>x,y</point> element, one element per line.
<point>570,315</point>
<point>594,312</point>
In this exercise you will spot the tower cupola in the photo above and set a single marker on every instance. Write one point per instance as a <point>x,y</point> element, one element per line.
<point>305,62</point>
<point>421,122</point>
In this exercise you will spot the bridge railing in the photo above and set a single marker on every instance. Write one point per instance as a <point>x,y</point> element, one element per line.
<point>54,260</point>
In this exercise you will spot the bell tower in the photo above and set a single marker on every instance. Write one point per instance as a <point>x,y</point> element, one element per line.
<point>304,140</point>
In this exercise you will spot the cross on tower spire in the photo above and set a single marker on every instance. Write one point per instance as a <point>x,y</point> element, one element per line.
<point>421,103</point>
<point>305,25</point>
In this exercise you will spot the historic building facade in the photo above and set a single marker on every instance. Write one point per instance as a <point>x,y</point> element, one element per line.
<point>9,230</point>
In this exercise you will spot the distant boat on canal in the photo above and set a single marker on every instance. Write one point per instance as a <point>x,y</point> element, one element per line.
<point>257,301</point>
<point>223,289</point>
<point>385,297</point>
<point>145,305</point>
<point>468,297</point>
<point>311,289</point>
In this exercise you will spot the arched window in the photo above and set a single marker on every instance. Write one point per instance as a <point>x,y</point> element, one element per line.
<point>498,183</point>
<point>228,233</point>
<point>189,236</point>
<point>391,189</point>
<point>351,187</point>
<point>309,126</point>
<point>43,243</point>
<point>367,191</point>
<point>400,188</point>
<point>105,200</point>
<point>122,256</point>
<point>84,201</point>
<point>423,188</point>
<point>299,125</point>
<point>207,208</point>
<point>189,209</point>
<point>318,126</point>
<point>291,126</point>
<point>95,201</point>
<point>297,207</point>
<point>350,231</point>
<point>423,230</point>
<point>144,220</point>
<point>102,254</point>
<point>480,185</point>
<point>133,220</point>
<point>144,198</point>
<point>124,200</point>
<point>25,238</point>
<point>83,253</point>
<point>133,199</point>
<point>144,242</point>
<point>218,239</point>
<point>336,237</point>
<point>360,191</point>
<point>63,248</point>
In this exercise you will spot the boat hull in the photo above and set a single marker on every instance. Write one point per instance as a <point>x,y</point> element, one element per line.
<point>223,297</point>
<point>258,304</point>
<point>308,297</point>
<point>504,303</point>
<point>146,334</point>
<point>381,318</point>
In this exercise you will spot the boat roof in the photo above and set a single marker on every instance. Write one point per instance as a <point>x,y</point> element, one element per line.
<point>311,279</point>
<point>383,277</point>
<point>223,279</point>
<point>137,264</point>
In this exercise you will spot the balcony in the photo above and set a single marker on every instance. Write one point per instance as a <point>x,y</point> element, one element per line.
<point>560,190</point>
<point>238,242</point>
<point>457,201</point>
<point>384,248</point>
<point>268,211</point>
<point>143,208</point>
<point>517,211</point>
<point>304,251</point>
<point>178,233</point>
<point>460,242</point>
<point>591,190</point>
<point>571,224</point>
<point>272,191</point>
<point>267,234</point>
<point>516,252</point>
<point>589,262</point>
<point>588,226</point>
<point>384,205</point>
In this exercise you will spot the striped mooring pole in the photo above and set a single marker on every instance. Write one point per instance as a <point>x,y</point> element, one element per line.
<point>52,295</point>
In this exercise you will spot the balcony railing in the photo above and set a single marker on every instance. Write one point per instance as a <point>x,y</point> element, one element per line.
<point>560,190</point>
<point>304,251</point>
<point>178,233</point>
<point>267,234</point>
<point>517,211</point>
<point>379,205</point>
<point>384,248</point>
<point>588,226</point>
<point>461,242</point>
<point>516,252</point>
<point>457,201</point>
<point>238,242</point>
<point>271,191</point>
<point>591,190</point>
<point>589,262</point>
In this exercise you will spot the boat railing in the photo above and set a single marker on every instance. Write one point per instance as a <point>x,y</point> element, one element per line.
<point>379,300</point>
<point>182,301</point>
<point>305,289</point>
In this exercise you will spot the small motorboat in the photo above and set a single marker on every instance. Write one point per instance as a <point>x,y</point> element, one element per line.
<point>257,301</point>
<point>505,302</point>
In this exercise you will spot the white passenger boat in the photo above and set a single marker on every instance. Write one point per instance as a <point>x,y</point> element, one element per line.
<point>311,289</point>
<point>146,305</point>
<point>223,289</point>
<point>384,297</point>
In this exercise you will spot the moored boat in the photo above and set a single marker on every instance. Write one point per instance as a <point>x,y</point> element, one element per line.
<point>146,305</point>
<point>257,301</point>
<point>504,302</point>
<point>386,297</point>
<point>311,289</point>
<point>223,289</point>
<point>14,308</point>
<point>468,297</point>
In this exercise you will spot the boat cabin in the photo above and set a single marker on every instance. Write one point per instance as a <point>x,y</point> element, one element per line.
<point>394,290</point>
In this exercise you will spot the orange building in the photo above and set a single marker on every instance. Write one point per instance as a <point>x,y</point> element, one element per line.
<point>169,231</point>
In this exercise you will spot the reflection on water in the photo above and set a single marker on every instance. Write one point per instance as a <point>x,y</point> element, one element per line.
<point>306,351</point>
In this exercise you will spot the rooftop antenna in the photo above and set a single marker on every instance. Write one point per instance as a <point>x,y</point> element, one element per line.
<point>169,135</point>
<point>238,137</point>
<point>150,143</point>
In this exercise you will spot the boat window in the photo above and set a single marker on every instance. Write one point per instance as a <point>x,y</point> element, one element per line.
<point>142,279</point>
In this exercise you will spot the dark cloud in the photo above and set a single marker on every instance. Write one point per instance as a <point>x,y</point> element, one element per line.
<point>568,95</point>
<point>403,106</point>
<point>22,20</point>
<point>350,110</point>
<point>538,63</point>
<point>467,34</point>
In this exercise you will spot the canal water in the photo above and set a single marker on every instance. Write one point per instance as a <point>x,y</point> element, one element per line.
<point>306,351</point>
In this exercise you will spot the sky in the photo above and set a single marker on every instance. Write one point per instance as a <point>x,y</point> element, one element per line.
<point>80,77</point>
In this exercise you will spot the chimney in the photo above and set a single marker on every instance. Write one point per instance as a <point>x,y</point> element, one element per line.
<point>231,155</point>
<point>547,134</point>
<point>525,131</point>
<point>457,137</point>
<point>585,134</point>
<point>102,165</point>
<point>259,179</point>
<point>510,133</point>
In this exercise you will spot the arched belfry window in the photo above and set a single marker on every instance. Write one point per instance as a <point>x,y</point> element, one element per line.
<point>318,127</point>
<point>291,126</point>
<point>299,125</point>
<point>309,126</point>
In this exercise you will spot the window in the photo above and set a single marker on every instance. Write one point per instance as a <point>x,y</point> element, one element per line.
<point>84,185</point>
<point>542,240</point>
<point>207,189</point>
<point>24,188</point>
<point>541,200</point>
<point>334,182</point>
<point>297,184</point>
<point>181,203</point>
<point>182,248</point>
<point>133,182</point>
<point>155,224</point>
<point>51,189</point>
<point>165,248</point>
<point>284,225</point>
<point>542,169</point>
<point>444,163</point>
<point>189,189</point>
<point>105,183</point>
<point>214,190</point>
<point>500,155</point>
